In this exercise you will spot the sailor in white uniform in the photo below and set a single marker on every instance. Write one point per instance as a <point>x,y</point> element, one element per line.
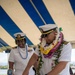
<point>20,56</point>
<point>53,53</point>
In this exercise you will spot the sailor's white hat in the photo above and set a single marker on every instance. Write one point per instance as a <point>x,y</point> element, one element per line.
<point>19,34</point>
<point>47,27</point>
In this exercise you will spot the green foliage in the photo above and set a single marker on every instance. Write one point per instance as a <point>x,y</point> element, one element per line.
<point>60,29</point>
<point>4,67</point>
<point>40,63</point>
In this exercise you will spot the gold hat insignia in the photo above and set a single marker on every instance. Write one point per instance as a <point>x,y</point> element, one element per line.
<point>18,36</point>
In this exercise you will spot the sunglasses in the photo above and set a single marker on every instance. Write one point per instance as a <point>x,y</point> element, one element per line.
<point>19,40</point>
<point>44,35</point>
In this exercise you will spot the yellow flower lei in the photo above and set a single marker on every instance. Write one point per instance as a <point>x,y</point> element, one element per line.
<point>46,50</point>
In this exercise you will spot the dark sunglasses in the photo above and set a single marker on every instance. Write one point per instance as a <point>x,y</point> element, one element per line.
<point>44,35</point>
<point>20,40</point>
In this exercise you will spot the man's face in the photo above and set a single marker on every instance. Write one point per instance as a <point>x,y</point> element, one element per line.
<point>50,37</point>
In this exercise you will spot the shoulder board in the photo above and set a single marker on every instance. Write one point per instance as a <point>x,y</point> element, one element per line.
<point>29,49</point>
<point>14,47</point>
<point>65,42</point>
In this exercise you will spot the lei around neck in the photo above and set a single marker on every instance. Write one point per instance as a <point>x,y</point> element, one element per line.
<point>57,48</point>
<point>48,51</point>
<point>59,42</point>
<point>26,50</point>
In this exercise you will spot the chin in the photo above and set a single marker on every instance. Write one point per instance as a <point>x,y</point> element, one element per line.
<point>49,42</point>
<point>21,46</point>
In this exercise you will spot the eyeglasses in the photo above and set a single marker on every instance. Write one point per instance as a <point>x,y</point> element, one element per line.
<point>20,40</point>
<point>44,35</point>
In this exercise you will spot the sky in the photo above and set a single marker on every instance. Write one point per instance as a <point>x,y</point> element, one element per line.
<point>4,57</point>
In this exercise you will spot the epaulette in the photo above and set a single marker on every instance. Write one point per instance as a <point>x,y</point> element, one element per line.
<point>14,47</point>
<point>65,42</point>
<point>29,49</point>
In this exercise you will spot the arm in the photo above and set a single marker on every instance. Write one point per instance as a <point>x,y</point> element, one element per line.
<point>11,65</point>
<point>63,59</point>
<point>36,64</point>
<point>31,62</point>
<point>10,70</point>
<point>11,61</point>
<point>58,68</point>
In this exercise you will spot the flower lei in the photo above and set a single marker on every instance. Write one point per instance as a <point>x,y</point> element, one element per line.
<point>46,49</point>
<point>49,50</point>
<point>56,48</point>
<point>40,62</point>
<point>57,52</point>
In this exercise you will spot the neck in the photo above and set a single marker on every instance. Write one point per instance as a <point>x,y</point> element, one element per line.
<point>49,43</point>
<point>22,46</point>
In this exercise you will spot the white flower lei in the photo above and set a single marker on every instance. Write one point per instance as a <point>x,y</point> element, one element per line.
<point>43,43</point>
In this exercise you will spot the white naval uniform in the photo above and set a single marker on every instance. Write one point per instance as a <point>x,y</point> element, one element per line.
<point>19,63</point>
<point>65,56</point>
